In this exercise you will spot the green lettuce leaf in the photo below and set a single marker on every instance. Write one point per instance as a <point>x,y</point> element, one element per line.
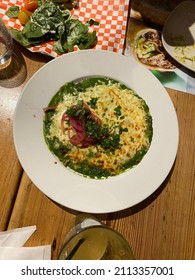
<point>51,23</point>
<point>13,11</point>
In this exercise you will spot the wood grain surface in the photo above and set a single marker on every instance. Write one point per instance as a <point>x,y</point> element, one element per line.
<point>161,227</point>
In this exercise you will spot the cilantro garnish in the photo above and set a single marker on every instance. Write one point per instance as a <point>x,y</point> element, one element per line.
<point>93,102</point>
<point>118,110</point>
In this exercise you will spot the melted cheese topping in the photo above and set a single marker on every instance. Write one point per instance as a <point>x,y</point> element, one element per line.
<point>133,120</point>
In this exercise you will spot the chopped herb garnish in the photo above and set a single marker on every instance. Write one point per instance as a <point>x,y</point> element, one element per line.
<point>118,110</point>
<point>93,102</point>
<point>92,128</point>
<point>77,110</point>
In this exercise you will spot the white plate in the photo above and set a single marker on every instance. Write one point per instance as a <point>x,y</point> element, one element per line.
<point>64,186</point>
<point>178,34</point>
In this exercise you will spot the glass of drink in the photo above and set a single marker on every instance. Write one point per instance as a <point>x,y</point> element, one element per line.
<point>6,43</point>
<point>93,240</point>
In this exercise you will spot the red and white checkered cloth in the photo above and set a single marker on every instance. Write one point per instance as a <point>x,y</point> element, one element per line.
<point>111,14</point>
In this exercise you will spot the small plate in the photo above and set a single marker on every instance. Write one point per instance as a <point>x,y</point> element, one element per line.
<point>61,184</point>
<point>178,36</point>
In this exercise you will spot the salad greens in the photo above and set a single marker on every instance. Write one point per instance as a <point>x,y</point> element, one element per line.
<point>13,11</point>
<point>51,22</point>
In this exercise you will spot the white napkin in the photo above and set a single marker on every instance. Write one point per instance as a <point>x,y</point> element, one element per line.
<point>16,237</point>
<point>11,243</point>
<point>26,253</point>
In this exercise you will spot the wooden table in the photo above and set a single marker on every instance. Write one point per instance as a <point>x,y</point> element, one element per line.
<point>161,227</point>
